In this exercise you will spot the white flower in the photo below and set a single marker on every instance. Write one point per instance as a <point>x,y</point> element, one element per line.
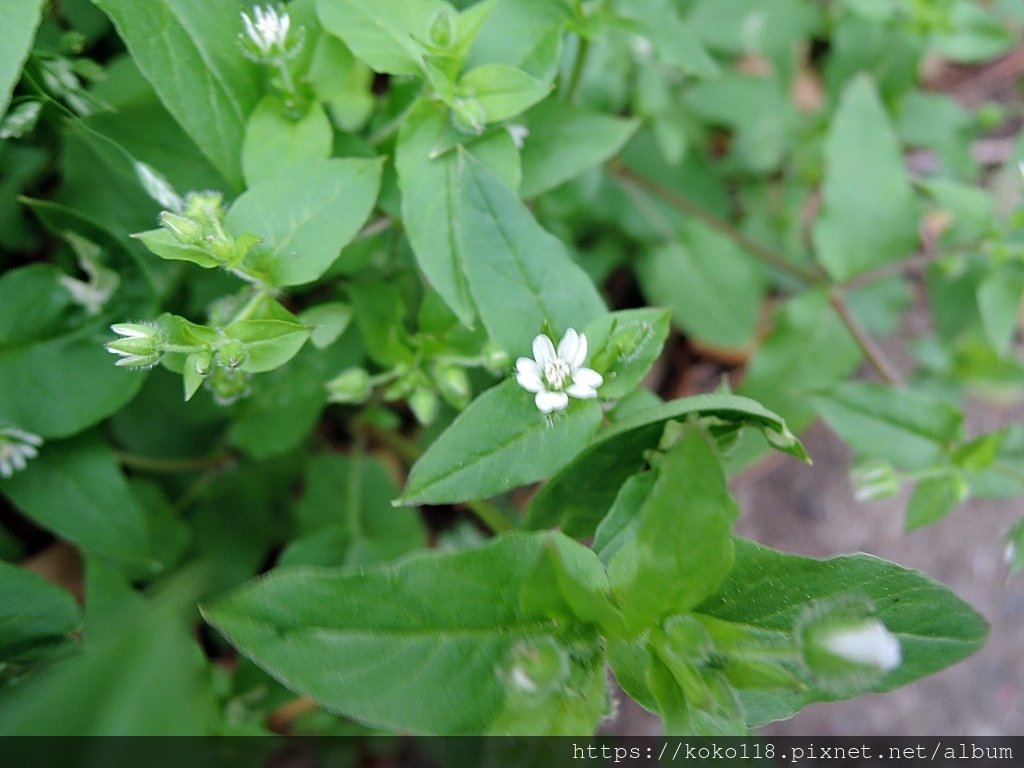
<point>268,31</point>
<point>16,447</point>
<point>554,376</point>
<point>868,643</point>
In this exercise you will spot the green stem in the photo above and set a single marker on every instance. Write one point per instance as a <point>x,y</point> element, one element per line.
<point>173,466</point>
<point>631,179</point>
<point>251,307</point>
<point>872,352</point>
<point>579,65</point>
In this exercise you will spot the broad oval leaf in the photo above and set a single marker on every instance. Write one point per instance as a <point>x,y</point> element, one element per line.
<point>503,91</point>
<point>21,17</point>
<point>399,647</point>
<point>910,429</point>
<point>33,612</point>
<point>579,496</point>
<point>186,49</point>
<point>274,142</point>
<point>768,590</point>
<point>869,216</point>
<point>76,489</point>
<point>381,34</point>
<point>564,141</point>
<point>306,214</point>
<point>500,442</point>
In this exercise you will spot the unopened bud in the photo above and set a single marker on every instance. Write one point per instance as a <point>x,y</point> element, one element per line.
<point>468,116</point>
<point>352,386</point>
<point>536,667</point>
<point>874,479</point>
<point>496,360</point>
<point>185,230</point>
<point>204,206</point>
<point>423,403</point>
<point>232,354</point>
<point>227,385</point>
<point>844,648</point>
<point>453,384</point>
<point>140,347</point>
<point>442,29</point>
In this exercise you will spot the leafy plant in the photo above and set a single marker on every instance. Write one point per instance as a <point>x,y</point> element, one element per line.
<point>414,257</point>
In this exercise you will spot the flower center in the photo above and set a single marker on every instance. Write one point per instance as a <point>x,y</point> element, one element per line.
<point>556,372</point>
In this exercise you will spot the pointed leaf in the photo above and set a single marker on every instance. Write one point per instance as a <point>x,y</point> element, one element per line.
<point>579,496</point>
<point>870,215</point>
<point>500,442</point>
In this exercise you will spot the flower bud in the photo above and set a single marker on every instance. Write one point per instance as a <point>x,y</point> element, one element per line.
<point>204,207</point>
<point>140,347</point>
<point>468,116</point>
<point>442,29</point>
<point>185,231</point>
<point>453,384</point>
<point>16,447</point>
<point>845,648</point>
<point>423,403</point>
<point>227,385</point>
<point>352,386</point>
<point>874,479</point>
<point>496,360</point>
<point>536,667</point>
<point>232,354</point>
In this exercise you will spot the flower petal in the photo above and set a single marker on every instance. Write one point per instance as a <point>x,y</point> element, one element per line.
<point>543,350</point>
<point>526,365</point>
<point>568,346</point>
<point>588,377</point>
<point>529,381</point>
<point>551,401</point>
<point>582,391</point>
<point>581,353</point>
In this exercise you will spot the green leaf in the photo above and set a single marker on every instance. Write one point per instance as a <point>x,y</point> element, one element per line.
<point>76,489</point>
<point>503,91</point>
<point>428,175</point>
<point>461,629</point>
<point>870,216</point>
<point>306,214</point>
<point>500,442</point>
<point>269,343</point>
<point>555,150</point>
<point>56,379</point>
<point>382,34</point>
<point>481,247</point>
<point>714,290</point>
<point>21,17</point>
<point>680,550</point>
<point>167,246</point>
<point>579,496</point>
<point>1000,299</point>
<point>974,34</point>
<point>34,614</point>
<point>933,499</point>
<point>141,675</point>
<point>274,141</point>
<point>624,346</point>
<point>908,428</point>
<point>328,321</point>
<point>186,49</point>
<point>345,517</point>
<point>769,590</point>
<point>520,275</point>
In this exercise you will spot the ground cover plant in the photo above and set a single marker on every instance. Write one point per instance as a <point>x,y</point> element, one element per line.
<point>346,354</point>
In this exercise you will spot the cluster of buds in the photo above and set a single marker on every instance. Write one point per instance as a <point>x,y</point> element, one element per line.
<point>200,224</point>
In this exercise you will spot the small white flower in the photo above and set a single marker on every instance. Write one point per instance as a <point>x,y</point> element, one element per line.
<point>554,376</point>
<point>642,48</point>
<point>869,643</point>
<point>267,29</point>
<point>16,447</point>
